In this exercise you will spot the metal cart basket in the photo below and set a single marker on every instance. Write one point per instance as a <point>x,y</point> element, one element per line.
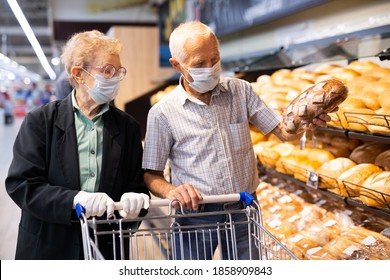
<point>160,236</point>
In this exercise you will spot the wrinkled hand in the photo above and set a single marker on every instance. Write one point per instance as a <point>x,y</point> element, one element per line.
<point>321,120</point>
<point>132,203</point>
<point>187,195</point>
<point>95,204</point>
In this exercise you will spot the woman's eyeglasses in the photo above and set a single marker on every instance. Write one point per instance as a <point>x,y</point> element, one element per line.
<point>109,71</point>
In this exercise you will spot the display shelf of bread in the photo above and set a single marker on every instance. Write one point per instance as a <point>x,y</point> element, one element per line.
<point>314,227</point>
<point>367,107</point>
<point>355,169</point>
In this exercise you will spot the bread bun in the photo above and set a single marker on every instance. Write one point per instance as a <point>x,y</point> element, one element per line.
<point>383,160</point>
<point>337,151</point>
<point>379,124</point>
<point>327,68</point>
<point>376,190</point>
<point>344,75</point>
<point>302,167</point>
<point>331,170</point>
<point>362,66</point>
<point>356,119</point>
<point>379,72</point>
<point>384,100</point>
<point>321,98</point>
<point>289,164</point>
<point>284,149</point>
<point>305,74</point>
<point>370,99</point>
<point>352,103</point>
<point>358,83</point>
<point>368,152</point>
<point>351,180</point>
<point>268,157</point>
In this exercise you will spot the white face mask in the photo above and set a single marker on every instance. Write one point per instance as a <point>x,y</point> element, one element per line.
<point>204,79</point>
<point>105,90</point>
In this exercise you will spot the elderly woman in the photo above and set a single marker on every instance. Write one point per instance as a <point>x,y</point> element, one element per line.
<point>77,150</point>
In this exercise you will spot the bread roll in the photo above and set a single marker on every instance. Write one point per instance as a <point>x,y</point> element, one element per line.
<point>319,155</point>
<point>384,100</point>
<point>379,72</point>
<point>368,152</point>
<point>358,83</point>
<point>356,119</point>
<point>376,190</point>
<point>350,181</point>
<point>337,151</point>
<point>268,157</point>
<point>383,160</point>
<point>305,74</point>
<point>379,124</point>
<point>362,66</point>
<point>370,99</point>
<point>352,102</point>
<point>344,75</point>
<point>321,98</point>
<point>284,149</point>
<point>331,170</point>
<point>326,68</point>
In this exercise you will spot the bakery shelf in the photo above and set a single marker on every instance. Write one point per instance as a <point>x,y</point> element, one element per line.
<point>333,131</point>
<point>369,137</point>
<point>271,174</point>
<point>356,135</point>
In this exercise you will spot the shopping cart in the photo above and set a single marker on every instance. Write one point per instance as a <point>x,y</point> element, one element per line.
<point>160,236</point>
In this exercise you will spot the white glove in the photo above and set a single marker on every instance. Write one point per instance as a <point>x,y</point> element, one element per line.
<point>132,203</point>
<point>95,204</point>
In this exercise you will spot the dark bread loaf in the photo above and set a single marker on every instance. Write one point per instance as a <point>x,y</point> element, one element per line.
<point>318,99</point>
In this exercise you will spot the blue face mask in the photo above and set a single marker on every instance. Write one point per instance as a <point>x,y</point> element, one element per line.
<point>105,90</point>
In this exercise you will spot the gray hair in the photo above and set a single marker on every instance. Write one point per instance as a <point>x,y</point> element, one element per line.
<point>185,31</point>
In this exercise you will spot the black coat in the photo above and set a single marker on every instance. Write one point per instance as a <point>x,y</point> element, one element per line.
<point>44,176</point>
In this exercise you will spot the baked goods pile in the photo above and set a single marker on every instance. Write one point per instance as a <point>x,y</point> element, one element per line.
<point>367,107</point>
<point>361,173</point>
<point>313,232</point>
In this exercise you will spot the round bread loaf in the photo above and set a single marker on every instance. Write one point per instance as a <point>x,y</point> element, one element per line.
<point>383,160</point>
<point>376,190</point>
<point>321,98</point>
<point>331,170</point>
<point>368,152</point>
<point>350,181</point>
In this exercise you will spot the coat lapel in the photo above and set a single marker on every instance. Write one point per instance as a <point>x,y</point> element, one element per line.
<point>67,143</point>
<point>112,151</point>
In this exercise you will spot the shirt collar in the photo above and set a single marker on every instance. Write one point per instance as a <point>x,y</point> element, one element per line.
<point>104,108</point>
<point>184,96</point>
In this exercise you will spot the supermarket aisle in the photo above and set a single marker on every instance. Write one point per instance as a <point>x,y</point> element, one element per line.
<point>10,212</point>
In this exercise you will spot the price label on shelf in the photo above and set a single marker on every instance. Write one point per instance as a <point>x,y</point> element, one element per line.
<point>312,180</point>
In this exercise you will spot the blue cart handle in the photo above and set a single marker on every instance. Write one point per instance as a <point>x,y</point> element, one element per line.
<point>79,209</point>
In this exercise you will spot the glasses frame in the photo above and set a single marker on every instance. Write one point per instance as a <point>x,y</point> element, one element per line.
<point>112,73</point>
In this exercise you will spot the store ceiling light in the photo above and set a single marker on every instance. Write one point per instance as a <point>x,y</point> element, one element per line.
<point>31,37</point>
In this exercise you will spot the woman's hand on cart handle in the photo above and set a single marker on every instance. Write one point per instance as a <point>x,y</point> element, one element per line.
<point>132,203</point>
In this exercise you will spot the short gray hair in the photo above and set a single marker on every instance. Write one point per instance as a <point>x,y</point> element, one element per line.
<point>182,33</point>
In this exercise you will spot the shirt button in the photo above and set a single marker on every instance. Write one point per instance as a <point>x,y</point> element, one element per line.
<point>92,152</point>
<point>92,128</point>
<point>92,174</point>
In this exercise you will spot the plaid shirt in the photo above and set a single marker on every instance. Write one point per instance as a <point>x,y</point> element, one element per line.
<point>208,146</point>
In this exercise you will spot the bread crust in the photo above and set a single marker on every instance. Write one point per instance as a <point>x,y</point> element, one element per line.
<point>318,99</point>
